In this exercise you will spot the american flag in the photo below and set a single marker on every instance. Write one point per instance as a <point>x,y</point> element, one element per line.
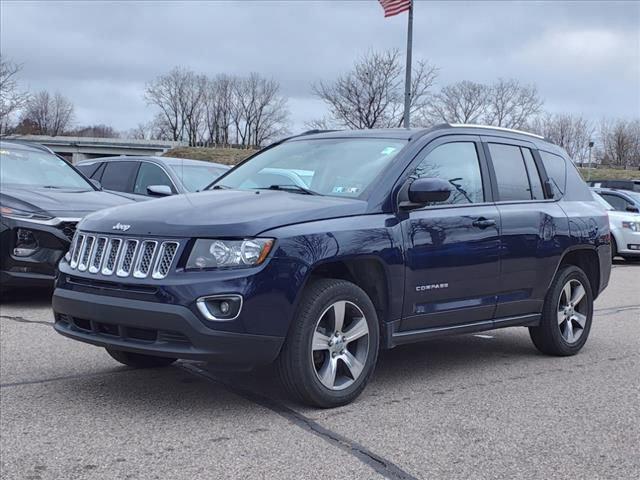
<point>394,7</point>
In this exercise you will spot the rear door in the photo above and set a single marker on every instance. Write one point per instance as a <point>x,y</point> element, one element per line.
<point>452,248</point>
<point>532,226</point>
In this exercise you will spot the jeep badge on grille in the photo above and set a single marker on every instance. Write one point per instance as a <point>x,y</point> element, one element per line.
<point>122,227</point>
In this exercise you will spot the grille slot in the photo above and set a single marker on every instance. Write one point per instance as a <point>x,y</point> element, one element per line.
<point>76,250</point>
<point>98,255</point>
<point>123,257</point>
<point>85,252</point>
<point>165,258</point>
<point>143,265</point>
<point>113,250</point>
<point>126,260</point>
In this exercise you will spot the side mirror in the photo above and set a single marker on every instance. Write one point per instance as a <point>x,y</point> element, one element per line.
<point>96,183</point>
<point>426,190</point>
<point>159,190</point>
<point>631,208</point>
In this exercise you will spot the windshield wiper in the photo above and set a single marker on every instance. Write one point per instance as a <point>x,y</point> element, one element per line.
<point>291,188</point>
<point>220,187</point>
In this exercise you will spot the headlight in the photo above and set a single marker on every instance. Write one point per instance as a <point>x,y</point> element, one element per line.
<point>633,226</point>
<point>24,214</point>
<point>229,253</point>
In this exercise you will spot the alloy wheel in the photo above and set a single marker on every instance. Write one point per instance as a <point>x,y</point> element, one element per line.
<point>572,311</point>
<point>340,345</point>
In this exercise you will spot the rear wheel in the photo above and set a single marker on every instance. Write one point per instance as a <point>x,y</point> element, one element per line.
<point>567,314</point>
<point>138,360</point>
<point>332,347</point>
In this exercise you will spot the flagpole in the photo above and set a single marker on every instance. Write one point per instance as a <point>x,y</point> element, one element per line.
<point>407,83</point>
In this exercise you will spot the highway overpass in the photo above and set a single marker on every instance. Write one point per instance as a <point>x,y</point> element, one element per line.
<point>75,149</point>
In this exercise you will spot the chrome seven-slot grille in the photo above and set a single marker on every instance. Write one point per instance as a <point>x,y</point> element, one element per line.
<point>123,256</point>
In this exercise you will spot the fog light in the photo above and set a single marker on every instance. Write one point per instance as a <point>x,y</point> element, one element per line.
<point>220,307</point>
<point>225,307</point>
<point>26,243</point>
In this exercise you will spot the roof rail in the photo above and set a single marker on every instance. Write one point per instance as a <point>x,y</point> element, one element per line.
<point>512,130</point>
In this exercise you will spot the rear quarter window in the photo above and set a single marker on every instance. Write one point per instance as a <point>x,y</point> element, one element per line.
<point>556,170</point>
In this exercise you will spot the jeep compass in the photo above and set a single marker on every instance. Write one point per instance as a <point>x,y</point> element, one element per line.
<point>325,248</point>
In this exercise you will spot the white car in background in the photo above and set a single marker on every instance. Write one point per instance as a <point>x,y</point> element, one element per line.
<point>625,231</point>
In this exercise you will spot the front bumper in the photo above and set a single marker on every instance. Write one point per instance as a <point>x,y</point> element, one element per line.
<point>629,242</point>
<point>157,329</point>
<point>39,268</point>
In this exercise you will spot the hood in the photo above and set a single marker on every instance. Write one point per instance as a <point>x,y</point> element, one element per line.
<point>220,213</point>
<point>60,202</point>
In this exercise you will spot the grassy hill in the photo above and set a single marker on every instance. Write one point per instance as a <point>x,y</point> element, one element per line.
<point>231,156</point>
<point>609,174</point>
<point>226,156</point>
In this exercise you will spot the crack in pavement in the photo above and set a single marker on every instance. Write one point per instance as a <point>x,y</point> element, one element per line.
<point>379,464</point>
<point>24,320</point>
<point>614,310</point>
<point>64,377</point>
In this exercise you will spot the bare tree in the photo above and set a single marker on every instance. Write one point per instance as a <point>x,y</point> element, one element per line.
<point>12,98</point>
<point>462,102</point>
<point>46,114</point>
<point>259,112</point>
<point>372,94</point>
<point>571,132</point>
<point>510,104</point>
<point>219,98</point>
<point>167,93</point>
<point>619,142</point>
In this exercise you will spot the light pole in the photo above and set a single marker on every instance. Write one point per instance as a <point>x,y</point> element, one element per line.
<point>590,147</point>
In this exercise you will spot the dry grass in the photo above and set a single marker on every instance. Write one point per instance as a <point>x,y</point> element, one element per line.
<point>610,174</point>
<point>226,156</point>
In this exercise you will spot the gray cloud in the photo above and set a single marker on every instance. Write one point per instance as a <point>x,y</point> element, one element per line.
<point>584,56</point>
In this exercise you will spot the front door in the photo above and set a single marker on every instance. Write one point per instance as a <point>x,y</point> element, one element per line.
<point>452,248</point>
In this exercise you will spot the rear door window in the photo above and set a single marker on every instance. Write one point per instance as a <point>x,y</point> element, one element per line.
<point>537,193</point>
<point>511,173</point>
<point>119,176</point>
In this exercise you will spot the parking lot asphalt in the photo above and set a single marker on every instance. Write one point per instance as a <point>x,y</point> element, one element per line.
<point>472,406</point>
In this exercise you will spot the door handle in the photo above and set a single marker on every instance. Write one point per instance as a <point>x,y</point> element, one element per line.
<point>484,222</point>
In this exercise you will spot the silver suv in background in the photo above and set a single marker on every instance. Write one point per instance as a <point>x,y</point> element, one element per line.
<point>151,176</point>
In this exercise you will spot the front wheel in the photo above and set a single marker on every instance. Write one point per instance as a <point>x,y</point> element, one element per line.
<point>332,346</point>
<point>138,360</point>
<point>567,314</point>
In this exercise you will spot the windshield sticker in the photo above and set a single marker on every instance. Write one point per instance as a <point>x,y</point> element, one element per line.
<point>350,190</point>
<point>388,151</point>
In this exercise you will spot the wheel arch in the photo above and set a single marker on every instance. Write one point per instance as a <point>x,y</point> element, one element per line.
<point>587,259</point>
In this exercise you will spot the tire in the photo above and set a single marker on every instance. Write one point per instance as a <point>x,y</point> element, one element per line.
<point>634,259</point>
<point>312,351</point>
<point>138,360</point>
<point>564,332</point>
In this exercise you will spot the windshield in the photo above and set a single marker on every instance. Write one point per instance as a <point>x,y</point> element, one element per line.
<point>635,196</point>
<point>601,201</point>
<point>195,177</point>
<point>30,168</point>
<point>337,167</point>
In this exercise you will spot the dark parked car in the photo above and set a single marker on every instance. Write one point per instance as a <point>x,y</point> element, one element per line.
<point>384,238</point>
<point>42,198</point>
<point>151,176</point>
<point>633,185</point>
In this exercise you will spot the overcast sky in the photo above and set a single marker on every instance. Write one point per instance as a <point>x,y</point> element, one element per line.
<point>583,56</point>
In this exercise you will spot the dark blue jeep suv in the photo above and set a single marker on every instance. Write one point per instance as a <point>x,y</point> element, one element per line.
<point>324,248</point>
